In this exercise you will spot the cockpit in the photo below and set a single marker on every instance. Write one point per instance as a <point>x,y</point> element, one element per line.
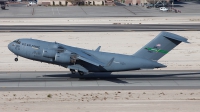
<point>17,41</point>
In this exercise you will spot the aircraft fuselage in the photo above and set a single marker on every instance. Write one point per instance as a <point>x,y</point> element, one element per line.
<point>34,50</point>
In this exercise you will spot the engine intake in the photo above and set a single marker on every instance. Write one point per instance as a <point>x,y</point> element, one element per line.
<point>49,53</point>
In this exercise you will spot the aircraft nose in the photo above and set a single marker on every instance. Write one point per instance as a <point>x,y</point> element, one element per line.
<point>10,46</point>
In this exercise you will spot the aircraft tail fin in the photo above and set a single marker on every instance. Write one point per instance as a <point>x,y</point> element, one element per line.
<point>159,46</point>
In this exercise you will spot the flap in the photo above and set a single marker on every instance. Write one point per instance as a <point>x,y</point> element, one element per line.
<point>78,67</point>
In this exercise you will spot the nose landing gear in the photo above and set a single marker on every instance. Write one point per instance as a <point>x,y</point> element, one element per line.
<point>16,59</point>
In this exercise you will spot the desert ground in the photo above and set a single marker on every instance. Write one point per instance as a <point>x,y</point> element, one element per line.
<point>184,56</point>
<point>98,101</point>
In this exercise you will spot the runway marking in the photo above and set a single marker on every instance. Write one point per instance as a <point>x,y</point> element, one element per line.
<point>129,10</point>
<point>58,11</point>
<point>176,82</point>
<point>52,10</point>
<point>83,10</point>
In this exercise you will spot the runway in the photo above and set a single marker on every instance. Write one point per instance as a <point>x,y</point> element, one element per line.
<point>100,28</point>
<point>131,80</point>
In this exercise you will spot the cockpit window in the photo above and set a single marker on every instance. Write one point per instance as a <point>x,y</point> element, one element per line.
<point>17,41</point>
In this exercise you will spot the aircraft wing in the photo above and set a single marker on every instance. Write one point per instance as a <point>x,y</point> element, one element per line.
<point>84,56</point>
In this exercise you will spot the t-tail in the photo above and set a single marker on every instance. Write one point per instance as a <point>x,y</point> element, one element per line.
<point>160,45</point>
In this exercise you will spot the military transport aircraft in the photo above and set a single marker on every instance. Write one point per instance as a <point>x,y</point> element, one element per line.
<point>85,61</point>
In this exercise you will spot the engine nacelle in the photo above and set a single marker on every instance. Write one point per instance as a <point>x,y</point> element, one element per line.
<point>62,57</point>
<point>49,53</point>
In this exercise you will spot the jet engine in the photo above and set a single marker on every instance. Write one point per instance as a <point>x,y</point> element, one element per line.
<point>49,53</point>
<point>66,58</point>
<point>62,57</point>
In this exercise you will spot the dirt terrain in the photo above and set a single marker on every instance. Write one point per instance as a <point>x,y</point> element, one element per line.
<point>98,101</point>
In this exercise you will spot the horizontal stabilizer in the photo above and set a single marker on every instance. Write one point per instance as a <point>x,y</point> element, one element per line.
<point>174,36</point>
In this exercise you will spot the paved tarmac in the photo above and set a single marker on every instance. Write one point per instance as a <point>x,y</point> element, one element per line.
<point>131,80</point>
<point>100,28</point>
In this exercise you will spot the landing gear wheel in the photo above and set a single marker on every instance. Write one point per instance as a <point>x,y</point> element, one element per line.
<point>73,71</point>
<point>81,73</point>
<point>16,59</point>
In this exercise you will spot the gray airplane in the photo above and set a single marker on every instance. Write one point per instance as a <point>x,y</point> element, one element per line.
<point>85,61</point>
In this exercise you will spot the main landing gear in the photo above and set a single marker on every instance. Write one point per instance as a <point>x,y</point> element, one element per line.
<point>74,72</point>
<point>16,59</point>
<point>81,73</point>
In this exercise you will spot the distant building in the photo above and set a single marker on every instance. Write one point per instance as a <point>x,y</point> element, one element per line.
<point>135,2</point>
<point>94,2</point>
<point>52,2</point>
<point>65,2</point>
<point>142,2</point>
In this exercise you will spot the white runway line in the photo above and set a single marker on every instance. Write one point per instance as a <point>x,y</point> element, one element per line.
<point>58,11</point>
<point>52,11</point>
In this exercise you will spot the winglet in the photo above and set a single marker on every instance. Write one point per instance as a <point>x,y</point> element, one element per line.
<point>110,62</point>
<point>98,48</point>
